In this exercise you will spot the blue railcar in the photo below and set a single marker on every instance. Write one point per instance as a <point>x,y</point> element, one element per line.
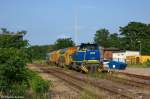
<point>86,58</point>
<point>117,65</point>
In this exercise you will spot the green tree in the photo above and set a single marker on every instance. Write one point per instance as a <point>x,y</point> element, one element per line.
<point>135,32</point>
<point>11,39</point>
<point>114,40</point>
<point>40,51</point>
<point>13,59</point>
<point>102,37</point>
<point>63,43</point>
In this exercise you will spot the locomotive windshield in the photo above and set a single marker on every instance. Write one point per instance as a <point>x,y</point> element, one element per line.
<point>88,47</point>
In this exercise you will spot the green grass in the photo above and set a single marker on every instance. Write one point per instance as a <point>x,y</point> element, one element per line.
<point>42,62</point>
<point>86,95</point>
<point>39,85</point>
<point>144,65</point>
<point>39,88</point>
<point>35,87</point>
<point>98,74</point>
<point>89,92</point>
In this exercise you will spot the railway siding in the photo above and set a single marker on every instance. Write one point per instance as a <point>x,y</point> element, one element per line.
<point>145,72</point>
<point>101,84</point>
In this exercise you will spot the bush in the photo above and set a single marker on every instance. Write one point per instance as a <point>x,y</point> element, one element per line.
<point>38,84</point>
<point>13,71</point>
<point>13,65</point>
<point>147,64</point>
<point>15,78</point>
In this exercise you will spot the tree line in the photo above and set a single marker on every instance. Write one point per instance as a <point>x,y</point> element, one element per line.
<point>130,37</point>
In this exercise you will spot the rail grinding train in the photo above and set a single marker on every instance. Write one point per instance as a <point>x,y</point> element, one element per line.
<point>86,58</point>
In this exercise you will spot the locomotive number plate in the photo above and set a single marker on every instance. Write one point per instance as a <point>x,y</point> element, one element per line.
<point>92,52</point>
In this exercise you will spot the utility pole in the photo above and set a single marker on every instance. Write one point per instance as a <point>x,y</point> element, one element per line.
<point>76,30</point>
<point>76,26</point>
<point>140,47</point>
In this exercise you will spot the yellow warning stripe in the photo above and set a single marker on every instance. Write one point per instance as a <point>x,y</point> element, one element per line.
<point>83,68</point>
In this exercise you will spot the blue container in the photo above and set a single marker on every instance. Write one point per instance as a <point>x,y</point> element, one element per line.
<point>117,65</point>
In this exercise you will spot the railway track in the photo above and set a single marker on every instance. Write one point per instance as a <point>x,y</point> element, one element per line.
<point>107,85</point>
<point>136,76</point>
<point>70,80</point>
<point>132,79</point>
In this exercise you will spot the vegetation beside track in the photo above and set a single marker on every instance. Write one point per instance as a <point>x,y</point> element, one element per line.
<point>42,62</point>
<point>38,86</point>
<point>15,78</point>
<point>144,65</point>
<point>88,94</point>
<point>98,74</point>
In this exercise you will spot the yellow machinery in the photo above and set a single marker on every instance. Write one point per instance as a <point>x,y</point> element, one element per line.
<point>54,57</point>
<point>61,58</point>
<point>144,59</point>
<point>51,57</point>
<point>68,53</point>
<point>137,59</point>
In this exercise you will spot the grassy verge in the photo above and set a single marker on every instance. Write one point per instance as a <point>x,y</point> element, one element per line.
<point>42,62</point>
<point>39,88</point>
<point>144,65</point>
<point>35,88</point>
<point>91,92</point>
<point>98,74</point>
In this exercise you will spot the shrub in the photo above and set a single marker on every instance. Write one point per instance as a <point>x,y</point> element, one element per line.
<point>15,78</point>
<point>147,63</point>
<point>38,84</point>
<point>13,71</point>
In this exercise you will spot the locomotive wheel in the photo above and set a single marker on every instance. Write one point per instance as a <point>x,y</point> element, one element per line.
<point>100,69</point>
<point>83,68</point>
<point>70,66</point>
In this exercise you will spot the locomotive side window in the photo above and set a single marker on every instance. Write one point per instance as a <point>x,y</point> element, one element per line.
<point>88,47</point>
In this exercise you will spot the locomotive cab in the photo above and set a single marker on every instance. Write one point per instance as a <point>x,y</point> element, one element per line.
<point>87,57</point>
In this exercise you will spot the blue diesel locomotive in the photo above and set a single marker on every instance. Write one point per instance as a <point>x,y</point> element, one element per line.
<point>87,58</point>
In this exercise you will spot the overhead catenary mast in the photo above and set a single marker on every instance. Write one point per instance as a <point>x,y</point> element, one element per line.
<point>76,28</point>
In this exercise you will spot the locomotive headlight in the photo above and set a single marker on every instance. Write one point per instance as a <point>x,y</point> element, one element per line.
<point>114,66</point>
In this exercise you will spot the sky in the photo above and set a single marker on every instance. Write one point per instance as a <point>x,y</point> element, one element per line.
<point>47,20</point>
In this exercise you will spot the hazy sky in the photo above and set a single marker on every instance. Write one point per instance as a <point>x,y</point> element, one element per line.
<point>47,20</point>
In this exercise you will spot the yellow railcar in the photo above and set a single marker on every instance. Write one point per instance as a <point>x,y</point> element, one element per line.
<point>51,57</point>
<point>61,59</point>
<point>68,53</point>
<point>56,56</point>
<point>64,58</point>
